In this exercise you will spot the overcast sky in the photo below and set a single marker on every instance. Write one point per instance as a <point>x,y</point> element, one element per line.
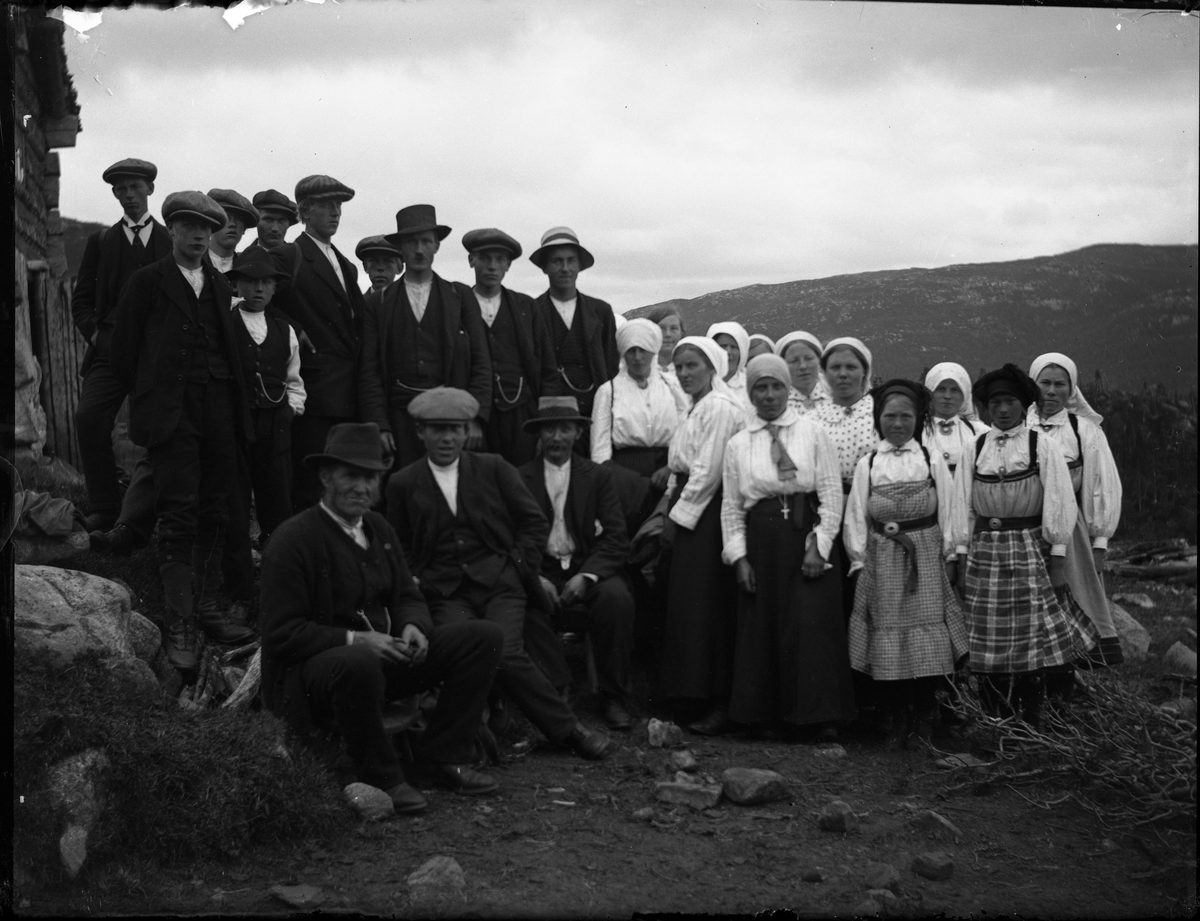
<point>693,146</point>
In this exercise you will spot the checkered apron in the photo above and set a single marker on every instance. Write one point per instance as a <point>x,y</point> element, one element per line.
<point>1015,621</point>
<point>896,634</point>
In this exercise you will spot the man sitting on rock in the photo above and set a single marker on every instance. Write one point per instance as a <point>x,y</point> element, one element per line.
<point>345,630</point>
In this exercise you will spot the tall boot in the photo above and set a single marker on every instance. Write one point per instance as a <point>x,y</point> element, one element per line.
<point>180,640</point>
<point>213,611</point>
<point>1031,691</point>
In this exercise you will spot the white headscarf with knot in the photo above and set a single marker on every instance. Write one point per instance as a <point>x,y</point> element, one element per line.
<point>740,336</point>
<point>641,334</point>
<point>798,335</point>
<point>1076,403</point>
<point>717,357</point>
<point>952,371</point>
<point>859,346</point>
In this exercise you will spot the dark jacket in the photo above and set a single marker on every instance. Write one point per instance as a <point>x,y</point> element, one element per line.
<point>466,363</point>
<point>592,515</point>
<point>99,283</point>
<point>599,333</point>
<point>153,340</point>
<point>493,497</point>
<point>307,605</point>
<point>535,345</point>
<point>315,303</point>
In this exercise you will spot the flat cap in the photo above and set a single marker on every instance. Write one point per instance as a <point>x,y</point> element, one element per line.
<point>491,238</point>
<point>323,187</point>
<point>444,404</point>
<point>140,169</point>
<point>195,205</point>
<point>271,200</point>
<point>255,262</point>
<point>375,244</point>
<point>236,204</point>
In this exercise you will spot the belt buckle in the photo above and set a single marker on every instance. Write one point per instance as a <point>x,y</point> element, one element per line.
<point>891,529</point>
<point>994,523</point>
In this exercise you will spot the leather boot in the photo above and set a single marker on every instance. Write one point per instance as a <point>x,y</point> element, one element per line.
<point>180,641</point>
<point>212,609</point>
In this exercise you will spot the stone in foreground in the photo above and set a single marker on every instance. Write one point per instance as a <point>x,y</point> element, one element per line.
<point>371,803</point>
<point>837,816</point>
<point>930,821</point>
<point>697,796</point>
<point>935,865</point>
<point>753,787</point>
<point>1135,639</point>
<point>438,873</point>
<point>812,876</point>
<point>882,876</point>
<point>79,785</point>
<point>66,613</point>
<point>303,896</point>
<point>664,735</point>
<point>684,760</point>
<point>1179,660</point>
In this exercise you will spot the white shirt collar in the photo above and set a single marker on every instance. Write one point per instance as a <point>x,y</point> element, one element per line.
<point>443,471</point>
<point>886,447</point>
<point>345,524</point>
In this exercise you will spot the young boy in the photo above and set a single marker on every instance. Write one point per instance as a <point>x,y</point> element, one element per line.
<point>381,261</point>
<point>269,358</point>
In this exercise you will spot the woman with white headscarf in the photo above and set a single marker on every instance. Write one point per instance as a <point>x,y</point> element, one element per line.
<point>780,515</point>
<point>1063,413</point>
<point>700,624</point>
<point>760,344</point>
<point>802,352</point>
<point>734,339</point>
<point>953,422</point>
<point>671,324</point>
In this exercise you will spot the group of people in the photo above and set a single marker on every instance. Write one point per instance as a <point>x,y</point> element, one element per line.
<point>446,477</point>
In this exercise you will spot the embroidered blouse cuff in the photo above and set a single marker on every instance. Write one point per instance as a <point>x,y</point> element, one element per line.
<point>1099,543</point>
<point>734,550</point>
<point>824,545</point>
<point>1058,549</point>
<point>686,514</point>
<point>960,550</point>
<point>855,567</point>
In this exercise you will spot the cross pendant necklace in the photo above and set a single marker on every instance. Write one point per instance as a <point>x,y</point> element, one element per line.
<point>785,508</point>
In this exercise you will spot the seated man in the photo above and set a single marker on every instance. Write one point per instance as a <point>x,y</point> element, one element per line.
<point>581,568</point>
<point>473,534</point>
<point>345,630</point>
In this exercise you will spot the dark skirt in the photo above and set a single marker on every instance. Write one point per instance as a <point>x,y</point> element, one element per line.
<point>643,461</point>
<point>792,663</point>
<point>701,621</point>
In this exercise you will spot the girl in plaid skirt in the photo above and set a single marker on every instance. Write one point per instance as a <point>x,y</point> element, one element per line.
<point>1013,515</point>
<point>906,629</point>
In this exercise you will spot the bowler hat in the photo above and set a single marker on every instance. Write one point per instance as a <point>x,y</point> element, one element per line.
<point>271,200</point>
<point>444,404</point>
<point>139,169</point>
<point>417,219</point>
<point>560,236</point>
<point>491,238</point>
<point>355,444</point>
<point>556,409</point>
<point>255,262</point>
<point>322,187</point>
<point>236,203</point>
<point>193,204</point>
<point>375,244</point>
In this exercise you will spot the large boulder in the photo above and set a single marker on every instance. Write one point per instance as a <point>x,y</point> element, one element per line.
<point>67,613</point>
<point>1135,639</point>
<point>79,786</point>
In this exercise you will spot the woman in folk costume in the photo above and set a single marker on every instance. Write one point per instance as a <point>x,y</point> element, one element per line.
<point>953,421</point>
<point>734,339</point>
<point>1011,521</point>
<point>700,623</point>
<point>780,512</point>
<point>671,324</point>
<point>906,629</point>
<point>760,345</point>
<point>1063,414</point>
<point>802,352</point>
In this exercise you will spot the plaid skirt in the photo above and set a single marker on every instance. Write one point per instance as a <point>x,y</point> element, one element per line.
<point>896,634</point>
<point>1016,622</point>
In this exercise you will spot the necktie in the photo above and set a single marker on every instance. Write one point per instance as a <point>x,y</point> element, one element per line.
<point>783,462</point>
<point>139,248</point>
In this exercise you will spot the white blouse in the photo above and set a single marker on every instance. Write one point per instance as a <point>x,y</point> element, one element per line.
<point>850,428</point>
<point>1100,492</point>
<point>1010,450</point>
<point>894,465</point>
<point>751,476</point>
<point>698,450</point>
<point>737,384</point>
<point>949,443</point>
<point>805,404</point>
<point>627,415</point>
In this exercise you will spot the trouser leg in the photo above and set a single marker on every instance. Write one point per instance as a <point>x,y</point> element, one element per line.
<point>237,555</point>
<point>138,506</point>
<point>544,646</point>
<point>100,399</point>
<point>609,615</point>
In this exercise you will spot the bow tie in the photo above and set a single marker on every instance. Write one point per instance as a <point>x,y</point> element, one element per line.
<point>946,426</point>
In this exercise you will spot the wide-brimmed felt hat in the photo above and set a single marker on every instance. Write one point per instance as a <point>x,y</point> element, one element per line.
<point>272,200</point>
<point>320,187</point>
<point>353,443</point>
<point>561,236</point>
<point>556,409</point>
<point>417,219</point>
<point>375,244</point>
<point>255,262</point>
<point>1009,380</point>
<point>491,238</point>
<point>193,204</point>
<point>131,167</point>
<point>236,203</point>
<point>445,405</point>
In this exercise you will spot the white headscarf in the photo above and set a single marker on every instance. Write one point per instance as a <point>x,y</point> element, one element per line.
<point>767,366</point>
<point>640,333</point>
<point>952,371</point>
<point>740,336</point>
<point>767,339</point>
<point>717,357</point>
<point>859,346</point>
<point>619,319</point>
<point>1076,402</point>
<point>798,335</point>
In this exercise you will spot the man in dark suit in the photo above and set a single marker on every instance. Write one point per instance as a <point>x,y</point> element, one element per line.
<point>110,256</point>
<point>473,536</point>
<point>276,213</point>
<point>345,630</point>
<point>586,550</point>
<point>423,332</point>
<point>518,343</point>
<point>240,214</point>
<point>172,349</point>
<point>582,328</point>
<point>322,300</point>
